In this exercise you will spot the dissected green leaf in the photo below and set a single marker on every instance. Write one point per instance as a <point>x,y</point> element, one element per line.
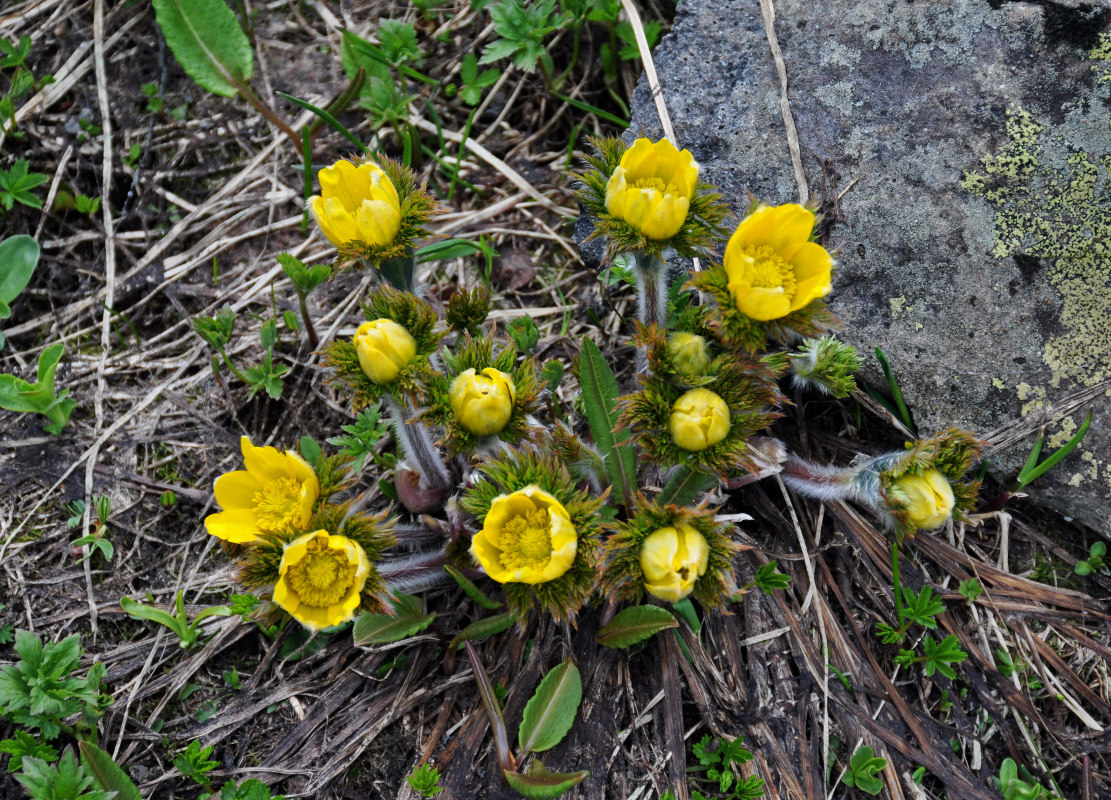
<point>539,784</point>
<point>634,625</point>
<point>551,710</point>
<point>207,41</point>
<point>600,399</point>
<point>407,620</point>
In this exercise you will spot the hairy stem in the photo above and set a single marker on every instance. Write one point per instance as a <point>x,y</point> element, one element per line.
<point>415,573</point>
<point>416,443</point>
<point>651,277</point>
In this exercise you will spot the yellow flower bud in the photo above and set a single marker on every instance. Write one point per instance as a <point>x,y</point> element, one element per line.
<point>927,498</point>
<point>652,187</point>
<point>321,576</point>
<point>699,419</point>
<point>689,352</point>
<point>672,560</point>
<point>773,267</point>
<point>527,537</point>
<point>482,402</point>
<point>356,204</point>
<point>384,347</point>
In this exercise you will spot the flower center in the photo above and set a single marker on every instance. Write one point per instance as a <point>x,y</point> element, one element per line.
<point>656,184</point>
<point>526,541</point>
<point>770,271</point>
<point>278,505</point>
<point>323,577</point>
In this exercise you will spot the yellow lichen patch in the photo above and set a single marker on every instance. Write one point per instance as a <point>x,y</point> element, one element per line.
<point>998,383</point>
<point>897,306</point>
<point>1031,397</point>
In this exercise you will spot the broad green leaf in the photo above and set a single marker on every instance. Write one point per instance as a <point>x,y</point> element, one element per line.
<point>19,255</point>
<point>540,784</point>
<point>407,619</point>
<point>635,625</point>
<point>551,710</point>
<point>207,41</point>
<point>683,486</point>
<point>447,249</point>
<point>472,591</point>
<point>600,398</point>
<point>483,628</point>
<point>140,611</point>
<point>107,773</point>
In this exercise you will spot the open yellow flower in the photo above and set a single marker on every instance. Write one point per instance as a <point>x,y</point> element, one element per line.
<point>482,401</point>
<point>699,419</point>
<point>652,187</point>
<point>527,537</point>
<point>689,352</point>
<point>321,575</point>
<point>672,560</point>
<point>384,347</point>
<point>927,498</point>
<point>356,204</point>
<point>275,493</point>
<point>773,267</point>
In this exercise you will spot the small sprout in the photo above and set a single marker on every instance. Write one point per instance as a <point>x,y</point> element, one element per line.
<point>425,781</point>
<point>524,333</point>
<point>897,406</point>
<point>1094,562</point>
<point>193,763</point>
<point>168,499</point>
<point>862,771</point>
<point>16,185</point>
<point>362,440</point>
<point>155,103</point>
<point>971,589</point>
<point>187,632</point>
<point>474,81</point>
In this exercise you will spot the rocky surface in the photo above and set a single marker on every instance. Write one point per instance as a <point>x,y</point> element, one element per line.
<point>975,246</point>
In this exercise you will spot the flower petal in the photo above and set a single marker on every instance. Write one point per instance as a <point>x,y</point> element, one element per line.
<point>378,222</point>
<point>765,304</point>
<point>265,463</point>
<point>339,225</point>
<point>381,187</point>
<point>238,526</point>
<point>775,227</point>
<point>488,556</point>
<point>236,490</point>
<point>344,182</point>
<point>640,160</point>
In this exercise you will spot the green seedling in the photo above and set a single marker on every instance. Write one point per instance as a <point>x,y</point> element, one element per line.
<point>970,589</point>
<point>1014,787</point>
<point>897,406</point>
<point>134,153</point>
<point>473,81</point>
<point>1032,470</point>
<point>938,656</point>
<point>425,781</point>
<point>17,394</point>
<point>24,745</point>
<point>718,759</point>
<point>1094,562</point>
<point>16,185</point>
<point>361,441</point>
<point>522,29</point>
<point>187,632</point>
<point>304,280</point>
<point>155,104</point>
<point>40,692</point>
<point>98,539</point>
<point>193,763</point>
<point>19,255</point>
<point>862,771</point>
<point>82,204</point>
<point>68,778</point>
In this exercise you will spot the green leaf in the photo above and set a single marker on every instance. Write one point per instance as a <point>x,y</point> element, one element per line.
<point>472,591</point>
<point>18,395</point>
<point>65,781</point>
<point>862,770</point>
<point>407,620</point>
<point>1030,474</point>
<point>539,784</point>
<point>768,578</point>
<point>551,710</point>
<point>600,399</point>
<point>683,487</point>
<point>24,745</point>
<point>107,773</point>
<point>634,625</point>
<point>483,628</point>
<point>399,41</point>
<point>445,250</point>
<point>141,611</point>
<point>940,655</point>
<point>19,255</point>
<point>207,41</point>
<point>310,450</point>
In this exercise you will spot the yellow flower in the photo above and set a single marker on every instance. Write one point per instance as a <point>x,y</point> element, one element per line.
<point>356,204</point>
<point>384,347</point>
<point>652,187</point>
<point>928,498</point>
<point>527,537</point>
<point>689,352</point>
<point>321,576</point>
<point>672,560</point>
<point>276,493</point>
<point>482,402</point>
<point>772,265</point>
<point>699,419</point>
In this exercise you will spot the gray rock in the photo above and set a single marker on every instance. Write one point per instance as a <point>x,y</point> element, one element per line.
<point>902,99</point>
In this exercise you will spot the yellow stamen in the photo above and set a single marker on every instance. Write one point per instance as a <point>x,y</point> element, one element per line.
<point>657,184</point>
<point>770,271</point>
<point>278,505</point>
<point>526,541</point>
<point>323,577</point>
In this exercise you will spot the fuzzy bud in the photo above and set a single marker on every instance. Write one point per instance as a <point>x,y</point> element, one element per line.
<point>482,402</point>
<point>689,352</point>
<point>927,498</point>
<point>699,419</point>
<point>384,347</point>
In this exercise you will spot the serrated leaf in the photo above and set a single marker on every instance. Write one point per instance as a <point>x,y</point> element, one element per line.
<point>19,255</point>
<point>483,628</point>
<point>374,629</point>
<point>634,625</point>
<point>207,41</point>
<point>551,710</point>
<point>107,773</point>
<point>600,400</point>
<point>539,783</point>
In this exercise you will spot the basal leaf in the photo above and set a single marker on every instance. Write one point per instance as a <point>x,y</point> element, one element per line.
<point>540,784</point>
<point>375,629</point>
<point>207,41</point>
<point>19,255</point>
<point>635,625</point>
<point>107,773</point>
<point>551,710</point>
<point>600,398</point>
